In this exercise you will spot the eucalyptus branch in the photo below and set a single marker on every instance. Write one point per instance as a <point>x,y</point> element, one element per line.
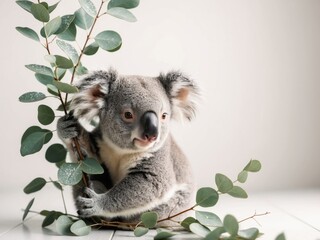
<point>253,216</point>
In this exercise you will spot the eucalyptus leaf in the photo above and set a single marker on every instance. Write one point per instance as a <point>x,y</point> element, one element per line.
<point>208,219</point>
<point>26,211</point>
<point>69,50</point>
<point>91,49</point>
<point>281,236</point>
<point>60,73</point>
<point>45,4</point>
<point>44,79</point>
<point>31,97</point>
<point>50,59</point>
<point>83,19</point>
<point>80,228</point>
<point>199,229</point>
<point>123,3</point>
<point>140,231</point>
<point>34,129</point>
<point>52,26</point>
<point>70,173</point>
<point>35,185</point>
<point>91,166</point>
<point>62,62</point>
<point>52,89</point>
<point>149,219</point>
<point>238,192</point>
<point>50,217</point>
<point>56,153</point>
<point>65,87</point>
<point>45,115</point>
<point>231,225</point>
<point>53,7</point>
<point>89,7</point>
<point>122,13</point>
<point>57,185</point>
<point>108,40</point>
<point>65,23</point>
<point>242,176</point>
<point>26,5</point>
<point>163,235</point>
<point>33,143</point>
<point>215,234</point>
<point>63,225</point>
<point>223,183</point>
<point>28,32</point>
<point>69,34</point>
<point>253,166</point>
<point>40,12</point>
<point>81,70</point>
<point>40,69</point>
<point>207,197</point>
<point>187,222</point>
<point>250,233</point>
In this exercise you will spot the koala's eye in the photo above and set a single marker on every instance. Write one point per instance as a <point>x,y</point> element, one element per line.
<point>128,115</point>
<point>164,116</point>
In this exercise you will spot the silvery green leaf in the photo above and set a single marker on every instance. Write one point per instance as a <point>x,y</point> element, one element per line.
<point>28,32</point>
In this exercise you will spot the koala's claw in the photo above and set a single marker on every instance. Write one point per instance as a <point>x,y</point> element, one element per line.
<point>91,205</point>
<point>68,127</point>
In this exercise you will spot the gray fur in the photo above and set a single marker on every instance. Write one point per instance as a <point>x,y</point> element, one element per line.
<point>141,174</point>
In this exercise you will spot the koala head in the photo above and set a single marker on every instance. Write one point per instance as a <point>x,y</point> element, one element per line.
<point>135,111</point>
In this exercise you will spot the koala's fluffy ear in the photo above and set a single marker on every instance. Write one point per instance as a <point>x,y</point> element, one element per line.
<point>183,94</point>
<point>90,99</point>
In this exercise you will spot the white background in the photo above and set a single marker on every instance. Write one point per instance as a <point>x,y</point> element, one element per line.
<point>257,62</point>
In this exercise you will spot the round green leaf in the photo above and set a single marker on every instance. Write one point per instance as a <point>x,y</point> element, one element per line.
<point>70,173</point>
<point>207,197</point>
<point>49,219</point>
<point>65,87</point>
<point>65,23</point>
<point>69,50</point>
<point>91,49</point>
<point>44,79</point>
<point>187,222</point>
<point>40,12</point>
<point>40,69</point>
<point>45,115</point>
<point>253,166</point>
<point>199,229</point>
<point>208,219</point>
<point>69,34</point>
<point>62,62</point>
<point>242,176</point>
<point>82,19</point>
<point>163,235</point>
<point>26,5</point>
<point>34,129</point>
<point>281,236</point>
<point>28,32</point>
<point>108,40</point>
<point>52,26</point>
<point>33,143</point>
<point>91,166</point>
<point>231,225</point>
<point>89,7</point>
<point>63,225</point>
<point>140,231</point>
<point>122,13</point>
<point>32,97</point>
<point>215,234</point>
<point>250,233</point>
<point>123,3</point>
<point>149,219</point>
<point>238,192</point>
<point>35,185</point>
<point>26,211</point>
<point>223,183</point>
<point>80,228</point>
<point>56,153</point>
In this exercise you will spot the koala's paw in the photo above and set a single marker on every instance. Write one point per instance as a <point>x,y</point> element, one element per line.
<point>91,205</point>
<point>68,127</point>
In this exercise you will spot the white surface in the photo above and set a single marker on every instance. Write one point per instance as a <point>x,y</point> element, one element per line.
<point>296,213</point>
<point>257,62</point>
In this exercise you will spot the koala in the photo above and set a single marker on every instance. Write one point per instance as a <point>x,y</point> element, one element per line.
<point>145,170</point>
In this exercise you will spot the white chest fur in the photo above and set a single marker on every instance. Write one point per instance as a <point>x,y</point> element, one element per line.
<point>117,161</point>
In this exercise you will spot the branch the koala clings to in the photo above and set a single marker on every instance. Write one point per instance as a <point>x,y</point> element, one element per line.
<point>144,169</point>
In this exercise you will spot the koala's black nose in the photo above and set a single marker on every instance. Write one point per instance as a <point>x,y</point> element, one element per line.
<point>149,122</point>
